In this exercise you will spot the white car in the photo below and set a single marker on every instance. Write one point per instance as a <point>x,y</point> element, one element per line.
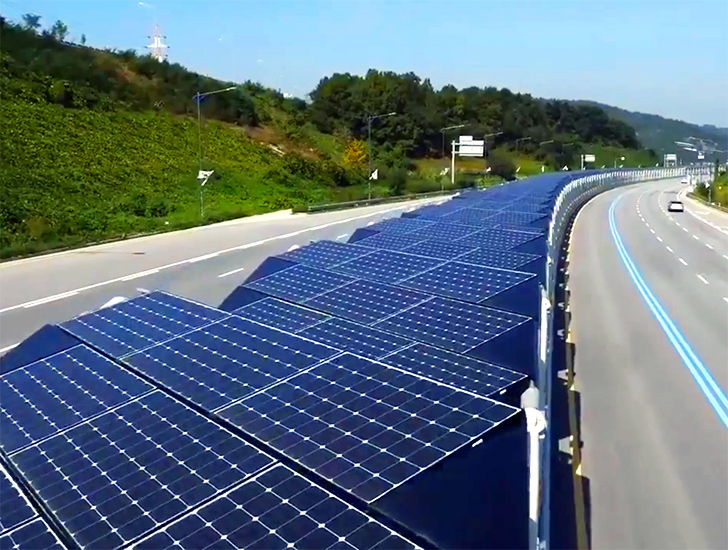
<point>685,180</point>
<point>675,206</point>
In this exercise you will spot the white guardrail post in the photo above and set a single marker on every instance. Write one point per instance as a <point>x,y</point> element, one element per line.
<point>571,197</point>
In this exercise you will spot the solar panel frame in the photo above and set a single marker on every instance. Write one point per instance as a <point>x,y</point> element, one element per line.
<point>355,338</point>
<point>31,536</point>
<point>503,259</point>
<point>299,283</point>
<point>399,225</point>
<point>471,216</point>
<point>389,241</point>
<point>281,315</point>
<point>497,238</point>
<point>324,254</point>
<point>15,508</point>
<point>386,266</point>
<point>278,508</point>
<point>365,426</point>
<point>439,250</point>
<point>446,232</point>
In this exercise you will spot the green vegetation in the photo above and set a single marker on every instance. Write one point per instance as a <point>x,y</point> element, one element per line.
<point>717,193</point>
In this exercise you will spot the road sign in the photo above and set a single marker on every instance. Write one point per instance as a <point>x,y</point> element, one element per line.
<point>589,158</point>
<point>472,148</point>
<point>466,138</point>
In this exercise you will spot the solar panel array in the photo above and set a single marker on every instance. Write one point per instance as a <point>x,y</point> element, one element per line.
<point>339,377</point>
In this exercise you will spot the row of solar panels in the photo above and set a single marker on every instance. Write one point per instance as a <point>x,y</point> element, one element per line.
<point>315,409</point>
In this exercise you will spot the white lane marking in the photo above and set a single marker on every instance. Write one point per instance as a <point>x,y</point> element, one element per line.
<point>370,223</point>
<point>206,256</point>
<point>294,247</point>
<point>140,274</point>
<point>8,348</point>
<point>344,236</point>
<point>678,224</point>
<point>647,224</point>
<point>709,246</point>
<point>652,231</point>
<point>231,272</point>
<point>696,237</point>
<point>725,256</point>
<point>724,298</point>
<point>659,239</point>
<point>683,261</point>
<point>202,258</point>
<point>50,299</point>
<point>669,249</point>
<point>685,229</point>
<point>143,290</point>
<point>702,278</point>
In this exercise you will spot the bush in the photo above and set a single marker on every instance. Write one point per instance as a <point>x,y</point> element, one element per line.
<point>501,166</point>
<point>397,179</point>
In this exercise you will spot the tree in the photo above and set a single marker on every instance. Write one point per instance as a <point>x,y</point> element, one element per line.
<point>59,30</point>
<point>83,40</point>
<point>31,21</point>
<point>355,156</point>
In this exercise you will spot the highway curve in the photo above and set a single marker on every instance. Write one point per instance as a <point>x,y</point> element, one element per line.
<point>651,369</point>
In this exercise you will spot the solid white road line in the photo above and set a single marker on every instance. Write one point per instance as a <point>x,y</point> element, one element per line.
<point>8,348</point>
<point>231,272</point>
<point>344,236</point>
<point>683,262</point>
<point>294,247</point>
<point>140,274</point>
<point>50,299</point>
<point>202,258</point>
<point>702,278</point>
<point>669,249</point>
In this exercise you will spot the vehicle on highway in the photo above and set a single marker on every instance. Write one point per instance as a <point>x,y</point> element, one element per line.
<point>685,180</point>
<point>675,206</point>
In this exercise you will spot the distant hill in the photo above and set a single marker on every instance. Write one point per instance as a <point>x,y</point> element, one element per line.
<point>660,134</point>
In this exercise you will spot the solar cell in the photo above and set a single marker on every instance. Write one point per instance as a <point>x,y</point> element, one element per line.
<point>282,315</point>
<point>386,266</point>
<point>365,426</point>
<point>399,225</point>
<point>471,216</point>
<point>14,507</point>
<point>459,371</point>
<point>436,249</point>
<point>444,232</point>
<point>52,394</point>
<point>472,283</point>
<point>453,325</point>
<point>517,218</point>
<point>366,302</point>
<point>119,476</point>
<point>277,509</point>
<point>504,259</point>
<point>355,338</point>
<point>31,536</point>
<point>299,283</point>
<point>389,241</point>
<point>496,238</point>
<point>323,254</point>
<point>436,211</point>
<point>225,361</point>
<point>141,322</point>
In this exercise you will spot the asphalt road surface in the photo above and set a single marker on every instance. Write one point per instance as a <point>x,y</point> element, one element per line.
<point>203,264</point>
<point>649,323</point>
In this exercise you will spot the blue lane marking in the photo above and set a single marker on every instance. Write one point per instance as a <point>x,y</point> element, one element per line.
<point>702,376</point>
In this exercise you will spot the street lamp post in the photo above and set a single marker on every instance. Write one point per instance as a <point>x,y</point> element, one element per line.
<point>443,130</point>
<point>521,139</point>
<point>369,128</point>
<point>198,99</point>
<point>615,160</point>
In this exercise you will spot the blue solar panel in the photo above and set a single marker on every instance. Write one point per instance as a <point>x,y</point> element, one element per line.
<point>471,216</point>
<point>399,225</point>
<point>355,338</point>
<point>387,267</point>
<point>459,371</point>
<point>299,283</point>
<point>436,211</point>
<point>436,249</point>
<point>365,426</point>
<point>389,241</point>
<point>472,283</point>
<point>123,474</point>
<point>496,238</point>
<point>15,509</point>
<point>518,218</point>
<point>222,362</point>
<point>522,228</point>
<point>282,315</point>
<point>453,325</point>
<point>366,302</point>
<point>504,259</point>
<point>445,232</point>
<point>141,322</point>
<point>277,509</point>
<point>535,208</point>
<point>52,394</point>
<point>31,536</point>
<point>323,254</point>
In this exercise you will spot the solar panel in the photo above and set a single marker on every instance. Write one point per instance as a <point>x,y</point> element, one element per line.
<point>365,426</point>
<point>472,283</point>
<point>52,394</point>
<point>225,361</point>
<point>436,249</point>
<point>496,238</point>
<point>355,338</point>
<point>15,509</point>
<point>436,211</point>
<point>117,477</point>
<point>470,216</point>
<point>459,371</point>
<point>299,283</point>
<point>520,206</point>
<point>277,509</point>
<point>387,267</point>
<point>141,322</point>
<point>366,302</point>
<point>522,228</point>
<point>31,536</point>
<point>389,241</point>
<point>282,315</point>
<point>517,218</point>
<point>453,325</point>
<point>399,225</point>
<point>323,254</point>
<point>504,259</point>
<point>444,232</point>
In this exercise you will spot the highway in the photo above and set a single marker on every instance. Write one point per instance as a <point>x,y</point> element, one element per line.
<point>649,327</point>
<point>204,264</point>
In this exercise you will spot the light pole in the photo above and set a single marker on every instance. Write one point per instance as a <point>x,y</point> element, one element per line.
<point>443,130</point>
<point>521,139</point>
<point>616,159</point>
<point>545,142</point>
<point>198,99</point>
<point>369,127</point>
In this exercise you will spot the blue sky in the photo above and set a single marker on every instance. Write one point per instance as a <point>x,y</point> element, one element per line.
<point>666,57</point>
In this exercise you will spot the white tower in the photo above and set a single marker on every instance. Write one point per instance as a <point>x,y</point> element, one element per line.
<point>158,48</point>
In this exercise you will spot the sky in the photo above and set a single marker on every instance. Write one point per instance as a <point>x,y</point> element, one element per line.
<point>665,57</point>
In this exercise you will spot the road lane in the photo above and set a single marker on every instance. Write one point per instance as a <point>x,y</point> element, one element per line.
<point>654,450</point>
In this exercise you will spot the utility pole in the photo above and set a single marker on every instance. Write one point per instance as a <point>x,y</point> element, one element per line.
<point>452,165</point>
<point>445,129</point>
<point>369,129</point>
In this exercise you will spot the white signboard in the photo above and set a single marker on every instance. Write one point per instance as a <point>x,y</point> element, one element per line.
<point>472,148</point>
<point>466,138</point>
<point>589,158</point>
